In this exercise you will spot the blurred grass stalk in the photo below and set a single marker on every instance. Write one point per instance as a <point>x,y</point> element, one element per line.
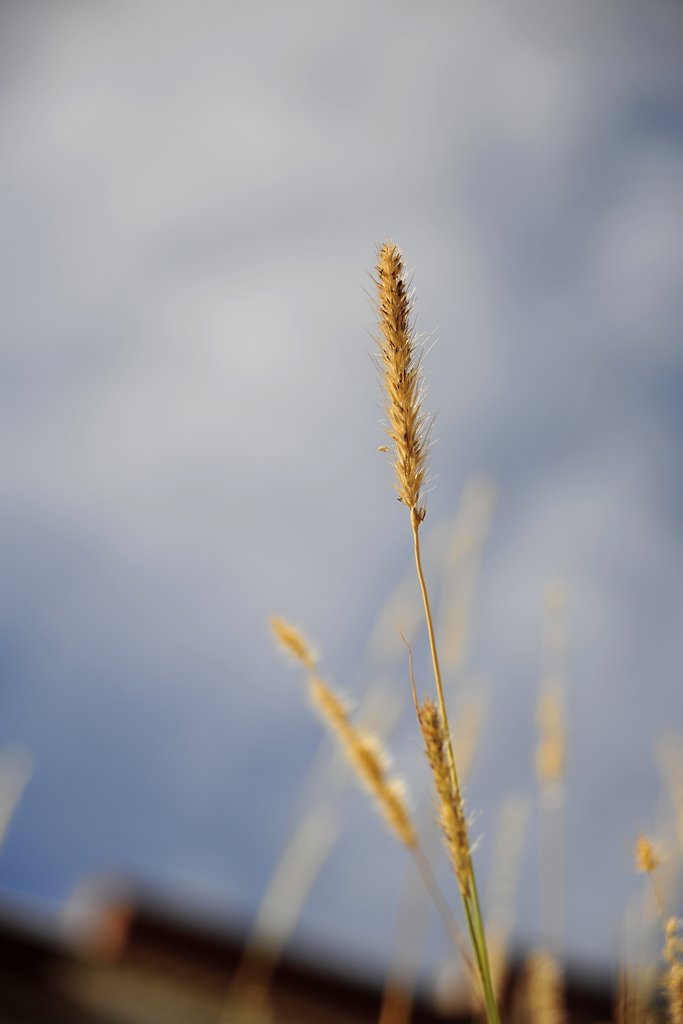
<point>16,768</point>
<point>550,767</point>
<point>545,994</point>
<point>647,861</point>
<point>511,826</point>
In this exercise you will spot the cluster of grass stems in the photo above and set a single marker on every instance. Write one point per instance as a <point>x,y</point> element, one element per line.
<point>398,360</point>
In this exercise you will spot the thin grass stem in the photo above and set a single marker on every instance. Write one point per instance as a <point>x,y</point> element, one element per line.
<point>470,896</point>
<point>415,520</point>
<point>447,919</point>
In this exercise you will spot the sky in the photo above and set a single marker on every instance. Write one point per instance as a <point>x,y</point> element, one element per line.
<point>190,200</point>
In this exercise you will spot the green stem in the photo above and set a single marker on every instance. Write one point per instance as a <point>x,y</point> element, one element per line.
<point>475,924</point>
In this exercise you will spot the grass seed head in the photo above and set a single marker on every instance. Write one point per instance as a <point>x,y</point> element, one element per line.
<point>673,978</point>
<point>645,857</point>
<point>399,366</point>
<point>451,813</point>
<point>550,752</point>
<point>292,642</point>
<point>674,990</point>
<point>369,760</point>
<point>545,990</point>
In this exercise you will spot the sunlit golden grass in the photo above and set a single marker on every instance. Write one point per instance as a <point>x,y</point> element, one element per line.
<point>398,360</point>
<point>545,999</point>
<point>399,364</point>
<point>363,750</point>
<point>647,861</point>
<point>450,809</point>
